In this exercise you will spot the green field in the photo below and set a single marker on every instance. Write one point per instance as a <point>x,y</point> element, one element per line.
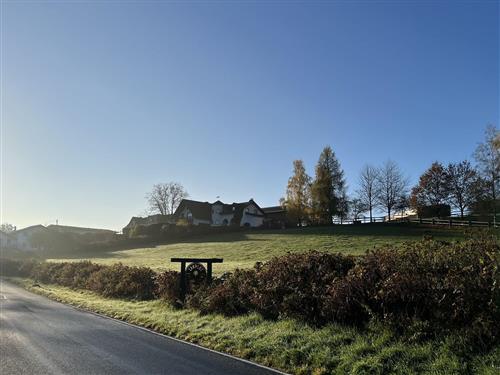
<point>243,249</point>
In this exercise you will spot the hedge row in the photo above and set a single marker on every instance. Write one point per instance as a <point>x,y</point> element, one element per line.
<point>109,281</point>
<point>444,285</point>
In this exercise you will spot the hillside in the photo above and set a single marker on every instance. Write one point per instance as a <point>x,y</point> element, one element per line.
<point>243,249</point>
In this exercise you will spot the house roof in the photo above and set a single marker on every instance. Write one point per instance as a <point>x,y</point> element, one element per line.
<point>203,210</point>
<point>273,209</point>
<point>79,230</point>
<point>32,227</point>
<point>149,220</point>
<point>200,210</point>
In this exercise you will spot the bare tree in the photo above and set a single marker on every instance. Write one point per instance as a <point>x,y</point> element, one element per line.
<point>164,198</point>
<point>7,227</point>
<point>357,208</point>
<point>367,192</point>
<point>391,186</point>
<point>464,184</point>
<point>487,156</point>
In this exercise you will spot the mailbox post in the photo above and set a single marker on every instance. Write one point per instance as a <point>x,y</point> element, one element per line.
<point>195,269</point>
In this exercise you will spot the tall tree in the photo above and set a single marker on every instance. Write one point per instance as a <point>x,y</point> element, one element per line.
<point>164,198</point>
<point>432,187</point>
<point>487,156</point>
<point>367,192</point>
<point>298,193</point>
<point>391,186</point>
<point>465,185</point>
<point>327,187</point>
<point>343,205</point>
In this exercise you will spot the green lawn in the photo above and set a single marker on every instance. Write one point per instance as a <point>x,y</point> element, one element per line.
<point>291,345</point>
<point>243,249</point>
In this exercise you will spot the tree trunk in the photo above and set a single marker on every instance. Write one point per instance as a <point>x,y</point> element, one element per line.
<point>493,190</point>
<point>388,214</point>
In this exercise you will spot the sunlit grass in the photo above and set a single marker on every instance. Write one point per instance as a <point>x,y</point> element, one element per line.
<point>243,249</point>
<point>288,344</point>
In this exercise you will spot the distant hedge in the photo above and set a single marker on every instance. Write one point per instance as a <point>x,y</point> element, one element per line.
<point>441,285</point>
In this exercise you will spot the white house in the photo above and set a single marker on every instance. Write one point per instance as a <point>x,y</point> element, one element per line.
<point>23,239</point>
<point>247,214</point>
<point>6,240</point>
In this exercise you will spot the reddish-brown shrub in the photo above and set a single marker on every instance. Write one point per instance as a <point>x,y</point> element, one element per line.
<point>167,287</point>
<point>447,284</point>
<point>232,296</point>
<point>123,282</point>
<point>295,285</point>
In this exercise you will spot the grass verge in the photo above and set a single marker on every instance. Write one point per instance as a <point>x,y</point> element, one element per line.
<point>290,345</point>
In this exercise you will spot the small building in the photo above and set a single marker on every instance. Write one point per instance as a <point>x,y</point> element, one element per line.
<point>244,214</point>
<point>276,217</point>
<point>147,221</point>
<point>26,239</point>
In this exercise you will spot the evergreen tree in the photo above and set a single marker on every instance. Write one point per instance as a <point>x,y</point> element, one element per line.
<point>328,187</point>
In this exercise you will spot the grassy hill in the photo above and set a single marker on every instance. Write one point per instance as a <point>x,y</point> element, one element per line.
<point>243,249</point>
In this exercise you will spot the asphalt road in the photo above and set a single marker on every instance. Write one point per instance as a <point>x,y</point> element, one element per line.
<point>40,336</point>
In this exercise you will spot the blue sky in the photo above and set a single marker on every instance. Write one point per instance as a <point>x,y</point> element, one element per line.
<point>103,99</point>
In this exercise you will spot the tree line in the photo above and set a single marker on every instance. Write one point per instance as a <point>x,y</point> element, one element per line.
<point>461,185</point>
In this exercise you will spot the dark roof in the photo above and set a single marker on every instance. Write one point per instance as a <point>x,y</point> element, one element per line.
<point>149,220</point>
<point>203,210</point>
<point>256,205</point>
<point>78,230</point>
<point>273,209</point>
<point>199,210</point>
<point>39,226</point>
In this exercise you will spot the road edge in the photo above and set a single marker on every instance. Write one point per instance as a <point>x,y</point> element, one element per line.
<point>81,309</point>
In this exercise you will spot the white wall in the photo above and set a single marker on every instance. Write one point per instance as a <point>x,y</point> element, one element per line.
<point>252,220</point>
<point>5,241</point>
<point>22,239</point>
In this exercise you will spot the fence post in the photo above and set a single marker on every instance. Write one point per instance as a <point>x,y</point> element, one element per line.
<point>470,223</point>
<point>420,220</point>
<point>451,223</point>
<point>433,221</point>
<point>489,224</point>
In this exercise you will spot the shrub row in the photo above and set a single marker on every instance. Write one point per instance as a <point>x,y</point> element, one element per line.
<point>110,281</point>
<point>445,285</point>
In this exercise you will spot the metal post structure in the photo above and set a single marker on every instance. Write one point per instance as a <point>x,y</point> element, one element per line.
<point>183,261</point>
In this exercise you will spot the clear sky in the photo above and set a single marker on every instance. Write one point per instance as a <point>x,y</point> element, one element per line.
<point>100,100</point>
